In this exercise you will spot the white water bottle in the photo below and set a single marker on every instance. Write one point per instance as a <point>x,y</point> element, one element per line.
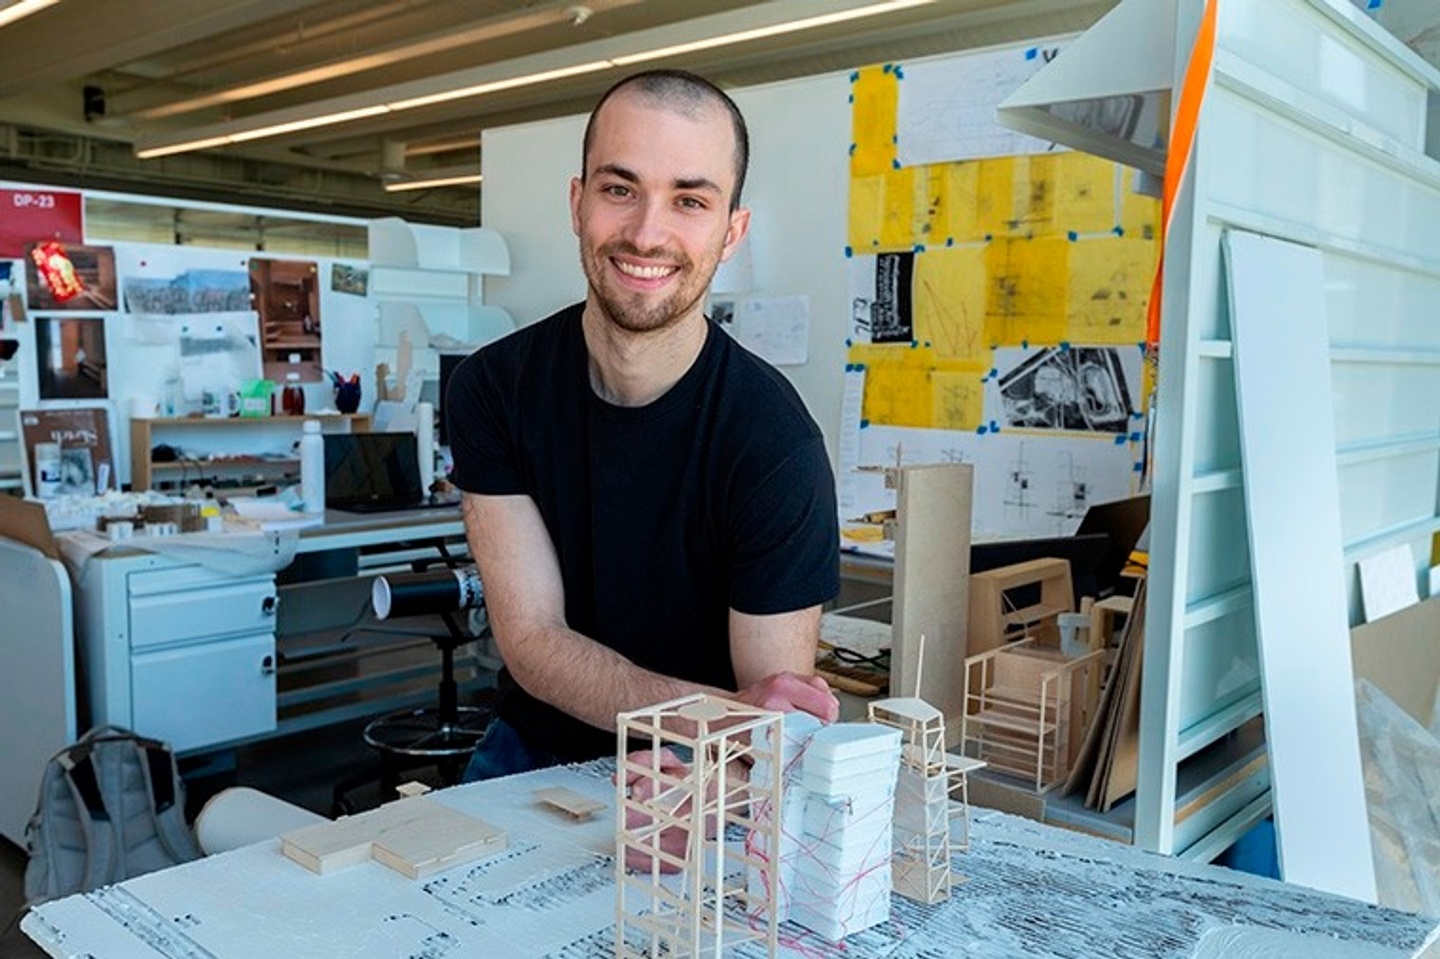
<point>312,467</point>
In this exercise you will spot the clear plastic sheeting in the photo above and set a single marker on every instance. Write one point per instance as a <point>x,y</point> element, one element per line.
<point>1402,788</point>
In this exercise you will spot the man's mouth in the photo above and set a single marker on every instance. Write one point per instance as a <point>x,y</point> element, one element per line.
<point>640,272</point>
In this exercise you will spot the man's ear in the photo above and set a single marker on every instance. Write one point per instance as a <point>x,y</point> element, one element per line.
<point>577,189</point>
<point>739,226</point>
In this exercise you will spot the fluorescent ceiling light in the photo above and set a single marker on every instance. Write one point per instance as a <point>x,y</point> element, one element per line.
<point>702,33</point>
<point>23,9</point>
<point>759,33</point>
<point>458,180</point>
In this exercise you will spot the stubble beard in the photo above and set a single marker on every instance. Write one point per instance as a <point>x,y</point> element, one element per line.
<point>632,312</point>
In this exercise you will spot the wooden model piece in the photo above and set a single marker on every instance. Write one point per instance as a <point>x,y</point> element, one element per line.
<point>707,908</point>
<point>997,618</point>
<point>1027,709</point>
<point>932,584</point>
<point>921,862</point>
<point>415,836</point>
<point>568,801</point>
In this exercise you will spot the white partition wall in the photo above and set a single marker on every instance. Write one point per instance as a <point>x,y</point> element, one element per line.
<point>1312,131</point>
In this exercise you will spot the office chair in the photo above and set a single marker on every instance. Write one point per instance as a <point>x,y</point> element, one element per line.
<point>443,735</point>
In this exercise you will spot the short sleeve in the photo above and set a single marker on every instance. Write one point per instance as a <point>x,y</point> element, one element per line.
<point>482,429</point>
<point>786,537</point>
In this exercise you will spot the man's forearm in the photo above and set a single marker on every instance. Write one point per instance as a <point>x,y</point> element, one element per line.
<point>589,681</point>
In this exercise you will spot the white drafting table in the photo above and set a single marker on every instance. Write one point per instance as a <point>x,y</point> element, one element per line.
<point>1032,891</point>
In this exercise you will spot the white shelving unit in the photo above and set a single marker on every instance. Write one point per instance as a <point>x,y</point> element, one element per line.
<point>11,461</point>
<point>428,283</point>
<point>1313,130</point>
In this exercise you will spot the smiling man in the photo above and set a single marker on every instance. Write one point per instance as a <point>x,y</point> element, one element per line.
<point>650,506</point>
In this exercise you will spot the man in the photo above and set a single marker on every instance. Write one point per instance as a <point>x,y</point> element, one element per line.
<point>650,507</point>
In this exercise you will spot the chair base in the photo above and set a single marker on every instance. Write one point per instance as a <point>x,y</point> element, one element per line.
<point>409,738</point>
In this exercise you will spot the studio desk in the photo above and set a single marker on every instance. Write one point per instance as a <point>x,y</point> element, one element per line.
<point>1030,892</point>
<point>187,640</point>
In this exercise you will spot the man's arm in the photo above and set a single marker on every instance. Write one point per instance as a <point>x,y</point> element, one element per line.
<point>525,599</point>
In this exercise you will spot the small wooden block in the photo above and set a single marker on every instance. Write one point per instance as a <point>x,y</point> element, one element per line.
<point>568,801</point>
<point>414,836</point>
<point>440,839</point>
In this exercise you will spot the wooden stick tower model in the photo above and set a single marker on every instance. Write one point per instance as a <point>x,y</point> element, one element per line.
<point>706,908</point>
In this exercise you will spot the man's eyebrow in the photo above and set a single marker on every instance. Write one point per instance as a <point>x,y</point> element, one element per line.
<point>704,184</point>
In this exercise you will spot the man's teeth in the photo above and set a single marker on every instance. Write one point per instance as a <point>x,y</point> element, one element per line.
<point>645,272</point>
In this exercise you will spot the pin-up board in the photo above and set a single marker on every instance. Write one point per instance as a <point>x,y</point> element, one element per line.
<point>998,290</point>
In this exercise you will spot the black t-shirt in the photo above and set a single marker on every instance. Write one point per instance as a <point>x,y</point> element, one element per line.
<point>716,495</point>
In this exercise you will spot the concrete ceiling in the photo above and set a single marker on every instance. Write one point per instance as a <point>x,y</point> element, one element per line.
<point>83,81</point>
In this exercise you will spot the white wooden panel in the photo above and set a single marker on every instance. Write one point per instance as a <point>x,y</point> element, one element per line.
<point>198,696</point>
<point>1282,364</point>
<point>1384,494</point>
<point>1223,666</point>
<point>1310,181</point>
<point>1377,305</point>
<point>1350,77</point>
<point>37,683</point>
<point>1377,400</point>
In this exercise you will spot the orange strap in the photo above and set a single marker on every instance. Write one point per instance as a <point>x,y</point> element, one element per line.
<point>1177,158</point>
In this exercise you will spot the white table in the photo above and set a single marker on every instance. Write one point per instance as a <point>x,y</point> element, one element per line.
<point>1032,891</point>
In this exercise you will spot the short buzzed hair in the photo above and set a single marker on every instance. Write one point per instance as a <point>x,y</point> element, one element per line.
<point>685,93</point>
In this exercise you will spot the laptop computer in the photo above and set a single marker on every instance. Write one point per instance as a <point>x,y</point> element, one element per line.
<point>372,472</point>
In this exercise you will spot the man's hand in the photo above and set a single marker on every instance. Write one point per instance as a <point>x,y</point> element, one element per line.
<point>674,840</point>
<point>792,692</point>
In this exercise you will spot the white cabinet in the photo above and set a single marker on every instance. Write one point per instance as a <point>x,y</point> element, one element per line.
<point>178,651</point>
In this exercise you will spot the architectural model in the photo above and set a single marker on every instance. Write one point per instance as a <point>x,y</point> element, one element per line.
<point>932,789</point>
<point>706,905</point>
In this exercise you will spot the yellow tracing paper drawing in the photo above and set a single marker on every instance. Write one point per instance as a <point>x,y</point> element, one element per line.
<point>1110,280</point>
<point>948,297</point>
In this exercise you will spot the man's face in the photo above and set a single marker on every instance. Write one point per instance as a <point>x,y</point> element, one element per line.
<point>653,210</point>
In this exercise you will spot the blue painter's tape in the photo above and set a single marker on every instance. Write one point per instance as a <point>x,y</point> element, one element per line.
<point>864,424</point>
<point>859,366</point>
<point>848,343</point>
<point>914,344</point>
<point>980,429</point>
<point>994,372</point>
<point>1138,468</point>
<point>1072,236</point>
<point>1120,440</point>
<point>1064,346</point>
<point>1136,415</point>
<point>989,237</point>
<point>1135,437</point>
<point>949,241</point>
<point>1024,344</point>
<point>888,68</point>
<point>918,248</point>
<point>1118,231</point>
<point>927,344</point>
<point>900,73</point>
<point>855,76</point>
<point>1032,53</point>
<point>849,251</point>
<point>875,242</point>
<point>895,164</point>
<point>852,149</point>
<point>1375,4</point>
<point>994,427</point>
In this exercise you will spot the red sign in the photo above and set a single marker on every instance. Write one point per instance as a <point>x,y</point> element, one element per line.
<point>34,216</point>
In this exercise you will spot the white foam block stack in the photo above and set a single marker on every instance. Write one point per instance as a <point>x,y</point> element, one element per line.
<point>842,875</point>
<point>795,730</point>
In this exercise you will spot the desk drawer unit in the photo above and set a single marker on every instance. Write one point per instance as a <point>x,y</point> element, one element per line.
<point>202,655</point>
<point>182,605</point>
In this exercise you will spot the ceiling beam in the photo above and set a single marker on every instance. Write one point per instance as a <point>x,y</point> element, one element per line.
<point>87,36</point>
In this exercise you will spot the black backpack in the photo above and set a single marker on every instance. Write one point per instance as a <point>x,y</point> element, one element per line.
<point>111,806</point>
